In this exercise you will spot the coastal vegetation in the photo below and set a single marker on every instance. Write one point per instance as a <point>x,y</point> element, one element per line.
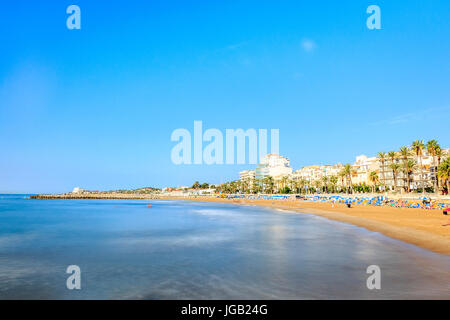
<point>398,171</point>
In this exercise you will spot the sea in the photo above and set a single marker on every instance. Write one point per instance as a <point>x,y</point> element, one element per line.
<point>126,249</point>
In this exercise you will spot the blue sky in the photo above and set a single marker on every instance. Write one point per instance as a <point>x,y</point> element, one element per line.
<point>95,107</point>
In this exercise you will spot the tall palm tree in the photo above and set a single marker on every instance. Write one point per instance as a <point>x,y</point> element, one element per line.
<point>317,184</point>
<point>411,165</point>
<point>444,173</point>
<point>304,185</point>
<point>325,182</point>
<point>245,185</point>
<point>284,181</point>
<point>258,186</point>
<point>439,155</point>
<point>418,147</point>
<point>333,181</point>
<point>432,147</point>
<point>382,158</point>
<point>404,154</point>
<point>349,171</point>
<point>343,175</point>
<point>394,167</point>
<point>264,183</point>
<point>294,185</point>
<point>270,184</point>
<point>252,185</point>
<point>392,155</point>
<point>373,177</point>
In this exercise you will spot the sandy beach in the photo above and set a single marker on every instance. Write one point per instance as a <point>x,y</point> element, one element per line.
<point>420,227</point>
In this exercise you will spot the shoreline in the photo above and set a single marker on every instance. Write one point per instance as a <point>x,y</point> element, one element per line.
<point>420,227</point>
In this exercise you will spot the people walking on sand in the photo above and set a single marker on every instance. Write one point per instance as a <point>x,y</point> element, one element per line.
<point>445,212</point>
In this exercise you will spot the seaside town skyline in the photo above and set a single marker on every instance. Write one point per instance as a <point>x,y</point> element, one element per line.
<point>381,173</point>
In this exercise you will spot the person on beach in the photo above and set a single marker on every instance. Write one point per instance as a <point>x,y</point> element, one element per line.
<point>349,204</point>
<point>445,212</point>
<point>425,203</point>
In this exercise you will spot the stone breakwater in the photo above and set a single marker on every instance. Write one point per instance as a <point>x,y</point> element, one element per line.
<point>111,196</point>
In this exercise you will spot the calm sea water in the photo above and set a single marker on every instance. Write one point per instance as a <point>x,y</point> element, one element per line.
<point>192,250</point>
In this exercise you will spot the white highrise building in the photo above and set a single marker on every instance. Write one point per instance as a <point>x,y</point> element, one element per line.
<point>273,165</point>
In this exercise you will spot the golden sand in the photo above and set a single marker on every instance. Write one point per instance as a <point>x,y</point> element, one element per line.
<point>421,227</point>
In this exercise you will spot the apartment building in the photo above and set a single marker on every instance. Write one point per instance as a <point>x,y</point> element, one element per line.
<point>273,165</point>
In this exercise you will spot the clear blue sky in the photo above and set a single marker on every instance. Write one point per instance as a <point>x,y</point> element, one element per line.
<point>95,107</point>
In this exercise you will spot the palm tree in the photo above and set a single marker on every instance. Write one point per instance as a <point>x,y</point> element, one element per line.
<point>392,155</point>
<point>284,180</point>
<point>270,184</point>
<point>317,184</point>
<point>245,186</point>
<point>307,185</point>
<point>373,177</point>
<point>382,158</point>
<point>432,147</point>
<point>253,186</point>
<point>234,186</point>
<point>294,185</point>
<point>394,167</point>
<point>418,147</point>
<point>258,186</point>
<point>404,155</point>
<point>439,155</point>
<point>342,175</point>
<point>411,165</point>
<point>264,183</point>
<point>444,173</point>
<point>333,181</point>
<point>349,171</point>
<point>325,181</point>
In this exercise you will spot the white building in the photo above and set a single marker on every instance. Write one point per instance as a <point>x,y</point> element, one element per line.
<point>316,172</point>
<point>247,175</point>
<point>362,167</point>
<point>78,190</point>
<point>273,165</point>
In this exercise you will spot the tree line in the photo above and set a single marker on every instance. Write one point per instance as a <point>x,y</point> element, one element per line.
<point>403,164</point>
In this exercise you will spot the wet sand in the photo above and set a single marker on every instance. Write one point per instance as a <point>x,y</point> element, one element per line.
<point>420,227</point>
